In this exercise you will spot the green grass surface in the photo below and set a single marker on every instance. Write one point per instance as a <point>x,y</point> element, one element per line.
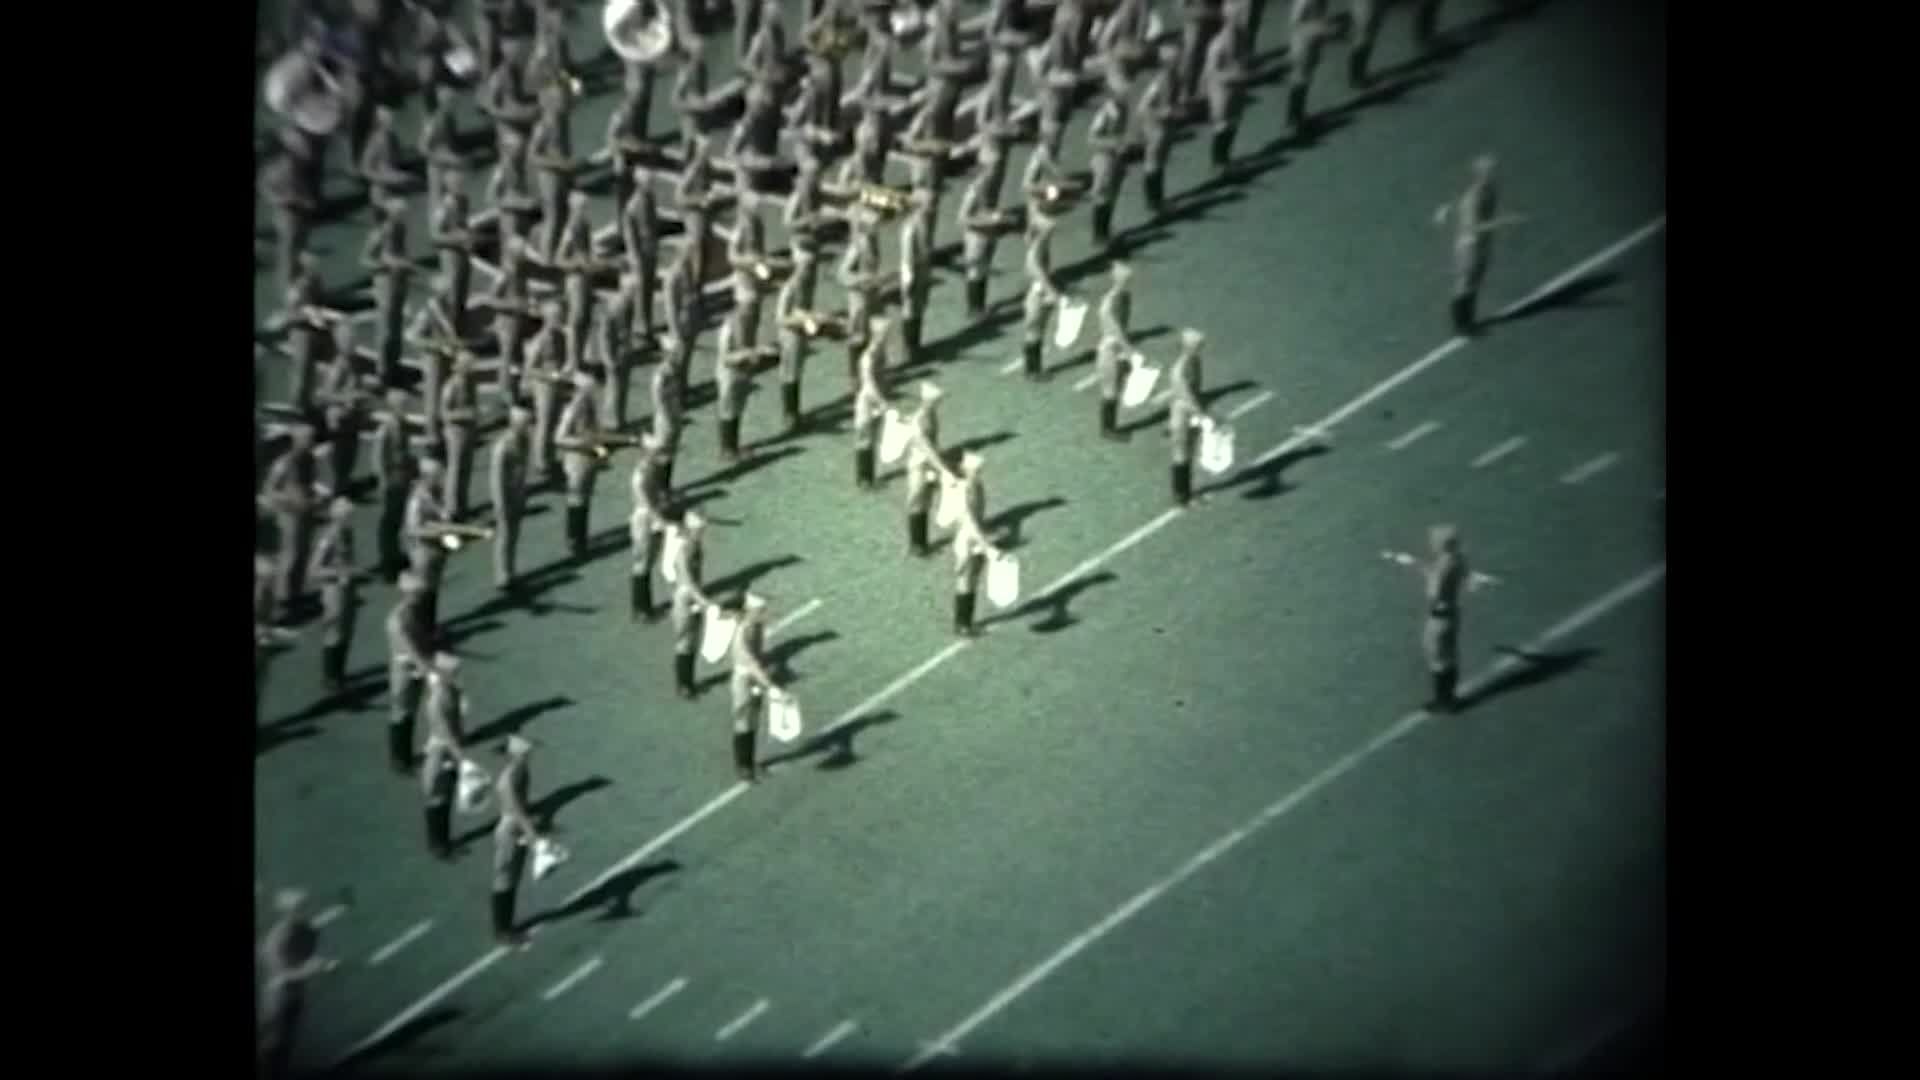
<point>1479,894</point>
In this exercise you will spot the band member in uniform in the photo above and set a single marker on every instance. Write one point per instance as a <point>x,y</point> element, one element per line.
<point>1364,32</point>
<point>292,206</point>
<point>445,751</point>
<point>618,347</point>
<point>668,390</point>
<point>379,162</point>
<point>1158,114</point>
<point>289,492</point>
<point>1440,638</point>
<point>513,833</point>
<point>1474,219</point>
<point>690,599</point>
<point>507,484</point>
<point>750,684</point>
<point>553,171</point>
<point>459,421</point>
<point>1224,79</point>
<point>923,465</point>
<point>386,256</point>
<point>454,238</point>
<point>869,406</point>
<point>333,570</point>
<point>1042,294</point>
<point>1184,412</point>
<point>796,329</point>
<point>288,958</point>
<point>510,314</point>
<point>916,272</point>
<point>1106,140</point>
<point>546,368</point>
<point>732,381</point>
<point>581,451</point>
<point>859,274</point>
<point>1114,354</point>
<point>746,252</point>
<point>344,410</point>
<point>1308,28</point>
<point>426,515</point>
<point>573,254</point>
<point>645,524</point>
<point>979,229</point>
<point>394,470</point>
<point>1199,21</point>
<point>971,548</point>
<point>408,647</point>
<point>640,236</point>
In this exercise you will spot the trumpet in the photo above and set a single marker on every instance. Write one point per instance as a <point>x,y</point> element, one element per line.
<point>887,200</point>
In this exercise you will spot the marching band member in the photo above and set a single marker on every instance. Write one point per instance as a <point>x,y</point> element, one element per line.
<point>288,958</point>
<point>407,648</point>
<point>379,163</point>
<point>644,525</point>
<point>640,236</point>
<point>679,307</point>
<point>445,750</point>
<point>1184,413</point>
<point>746,252</point>
<point>1308,26</point>
<point>668,389</point>
<point>971,548</point>
<point>1364,20</point>
<point>1223,77</point>
<point>1473,221</point>
<point>511,311</point>
<point>394,470</point>
<point>1441,578</point>
<point>1114,354</point>
<point>454,238</point>
<point>459,422</point>
<point>617,347</point>
<point>507,484</point>
<point>425,516</point>
<point>859,274</point>
<point>513,832</point>
<point>690,599</point>
<point>869,406</point>
<point>1158,115</point>
<point>288,491</point>
<point>333,569</point>
<point>796,328</point>
<point>979,231</point>
<point>750,684</point>
<point>540,381</point>
<point>732,380</point>
<point>916,271</point>
<point>573,253</point>
<point>1106,140</point>
<point>385,254</point>
<point>578,437</point>
<point>1042,294</point>
<point>923,467</point>
<point>553,170</point>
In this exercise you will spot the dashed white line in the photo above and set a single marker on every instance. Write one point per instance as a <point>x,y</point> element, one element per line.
<point>658,999</point>
<point>1250,404</point>
<point>1086,382</point>
<point>840,1031</point>
<point>579,975</point>
<point>794,616</point>
<point>995,1005</point>
<point>1591,469</point>
<point>1414,436</point>
<point>387,951</point>
<point>328,915</point>
<point>737,1023</point>
<point>1500,451</point>
<point>1580,269</point>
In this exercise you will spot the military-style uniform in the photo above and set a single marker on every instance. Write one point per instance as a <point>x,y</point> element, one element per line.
<point>288,958</point>
<point>332,567</point>
<point>510,314</point>
<point>696,216</point>
<point>546,366</point>
<point>512,833</point>
<point>379,162</point>
<point>640,235</point>
<point>750,683</point>
<point>408,649</point>
<point>690,600</point>
<point>869,407</point>
<point>429,335</point>
<point>1042,295</point>
<point>732,380</point>
<point>970,547</point>
<point>1307,29</point>
<point>1364,32</point>
<point>794,339</point>
<point>644,526</point>
<point>343,412</point>
<point>1183,414</point>
<point>1473,214</point>
<point>394,469</point>
<point>459,422</point>
<point>444,751</point>
<point>1106,137</point>
<point>1440,635</point>
<point>554,173</point>
<point>573,252</point>
<point>859,274</point>
<point>289,490</point>
<point>979,226</point>
<point>1114,355</point>
<point>1157,113</point>
<point>437,148</point>
<point>746,251</point>
<point>1199,21</point>
<point>281,184</point>
<point>916,275</point>
<point>455,241</point>
<point>923,468</point>
<point>1224,79</point>
<point>509,190</point>
<point>579,425</point>
<point>386,256</point>
<point>617,347</point>
<point>679,303</point>
<point>426,556</point>
<point>507,484</point>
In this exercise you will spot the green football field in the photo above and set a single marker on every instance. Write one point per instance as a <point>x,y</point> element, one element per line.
<point>1177,806</point>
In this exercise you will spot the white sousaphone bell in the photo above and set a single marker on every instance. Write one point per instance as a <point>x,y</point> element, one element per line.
<point>302,91</point>
<point>639,31</point>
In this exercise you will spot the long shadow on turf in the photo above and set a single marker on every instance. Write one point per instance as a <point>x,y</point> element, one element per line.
<point>1569,295</point>
<point>1534,669</point>
<point>514,720</point>
<point>526,596</point>
<point>743,579</point>
<point>1265,481</point>
<point>614,899</point>
<point>408,1034</point>
<point>779,659</point>
<point>1014,518</point>
<point>835,748</point>
<point>542,810</point>
<point>1208,398</point>
<point>1056,604</point>
<point>760,459</point>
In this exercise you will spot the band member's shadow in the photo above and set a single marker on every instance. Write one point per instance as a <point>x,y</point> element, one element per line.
<point>1056,604</point>
<point>1453,42</point>
<point>406,1036</point>
<point>451,640</point>
<point>780,658</point>
<point>1208,398</point>
<point>516,719</point>
<point>748,463</point>
<point>1265,480</point>
<point>614,899</point>
<point>834,748</point>
<point>1012,521</point>
<point>543,810</point>
<point>525,595</point>
<point>1535,668</point>
<point>271,737</point>
<point>1000,313</point>
<point>1574,294</point>
<point>744,578</point>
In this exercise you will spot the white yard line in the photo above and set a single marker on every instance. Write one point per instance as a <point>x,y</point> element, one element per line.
<point>1250,404</point>
<point>579,976</point>
<point>1500,451</point>
<point>388,950</point>
<point>735,1025</point>
<point>659,998</point>
<point>1012,365</point>
<point>949,1041</point>
<point>1086,382</point>
<point>1581,474</point>
<point>1414,436</point>
<point>826,1042</point>
<point>720,800</point>
<point>328,915</point>
<point>794,616</point>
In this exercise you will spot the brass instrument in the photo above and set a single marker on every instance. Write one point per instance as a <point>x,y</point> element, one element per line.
<point>638,31</point>
<point>836,39</point>
<point>813,323</point>
<point>302,90</point>
<point>886,200</point>
<point>452,535</point>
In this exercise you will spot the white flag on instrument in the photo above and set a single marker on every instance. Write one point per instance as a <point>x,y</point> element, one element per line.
<point>1003,579</point>
<point>1216,447</point>
<point>716,635</point>
<point>474,790</point>
<point>1141,379</point>
<point>461,61</point>
<point>783,716</point>
<point>894,434</point>
<point>547,854</point>
<point>1066,328</point>
<point>669,554</point>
